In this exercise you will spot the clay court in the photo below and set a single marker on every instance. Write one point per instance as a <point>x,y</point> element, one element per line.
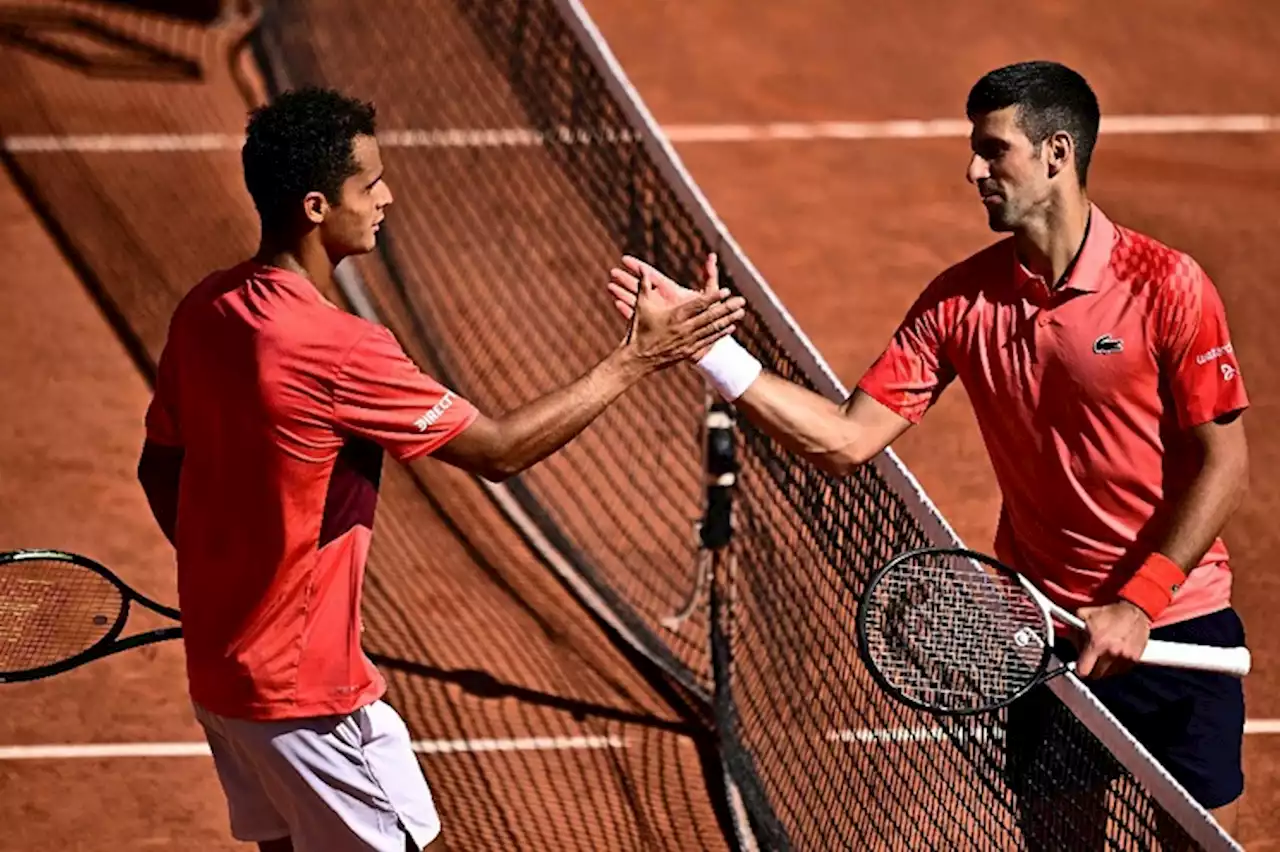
<point>536,729</point>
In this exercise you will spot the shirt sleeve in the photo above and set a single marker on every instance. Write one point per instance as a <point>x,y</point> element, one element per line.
<point>381,395</point>
<point>913,370</point>
<point>162,425</point>
<point>1194,348</point>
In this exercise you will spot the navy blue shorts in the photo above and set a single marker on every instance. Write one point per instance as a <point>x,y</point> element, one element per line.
<point>1191,722</point>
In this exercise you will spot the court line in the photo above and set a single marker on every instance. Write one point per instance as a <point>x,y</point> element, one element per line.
<point>201,749</point>
<point>923,733</point>
<point>678,133</point>
<point>858,736</point>
<point>980,733</point>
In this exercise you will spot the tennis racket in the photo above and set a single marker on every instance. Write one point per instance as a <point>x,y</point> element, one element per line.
<point>61,610</point>
<point>955,633</point>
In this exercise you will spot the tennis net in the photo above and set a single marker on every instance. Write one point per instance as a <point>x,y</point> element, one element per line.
<point>524,164</point>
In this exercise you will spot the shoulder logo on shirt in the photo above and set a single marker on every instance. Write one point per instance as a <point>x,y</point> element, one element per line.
<point>434,413</point>
<point>1215,353</point>
<point>1107,345</point>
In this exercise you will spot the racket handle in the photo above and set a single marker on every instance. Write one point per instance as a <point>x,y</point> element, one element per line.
<point>1206,658</point>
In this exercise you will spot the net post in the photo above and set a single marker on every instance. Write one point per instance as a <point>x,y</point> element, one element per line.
<point>721,469</point>
<point>716,531</point>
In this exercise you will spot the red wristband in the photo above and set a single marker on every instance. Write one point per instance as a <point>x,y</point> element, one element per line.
<point>1153,586</point>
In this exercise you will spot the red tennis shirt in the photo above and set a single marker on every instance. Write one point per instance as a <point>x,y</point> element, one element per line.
<point>282,405</point>
<point>1084,396</point>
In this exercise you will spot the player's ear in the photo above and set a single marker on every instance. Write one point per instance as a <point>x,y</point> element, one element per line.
<point>315,206</point>
<point>1061,150</point>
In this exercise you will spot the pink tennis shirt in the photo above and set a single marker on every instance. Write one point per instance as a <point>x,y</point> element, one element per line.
<point>1084,397</point>
<point>283,405</point>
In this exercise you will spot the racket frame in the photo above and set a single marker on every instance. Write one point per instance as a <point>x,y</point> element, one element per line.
<point>110,642</point>
<point>1235,662</point>
<point>977,560</point>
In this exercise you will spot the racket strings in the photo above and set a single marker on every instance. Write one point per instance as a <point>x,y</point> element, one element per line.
<point>953,637</point>
<point>51,610</point>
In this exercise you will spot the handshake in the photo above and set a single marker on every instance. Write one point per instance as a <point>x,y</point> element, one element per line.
<point>670,323</point>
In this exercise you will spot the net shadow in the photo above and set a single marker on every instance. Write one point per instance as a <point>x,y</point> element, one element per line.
<point>91,47</point>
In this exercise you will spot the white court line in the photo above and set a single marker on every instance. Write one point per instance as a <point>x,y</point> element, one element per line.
<point>867,736</point>
<point>908,735</point>
<point>200,749</point>
<point>1262,726</point>
<point>861,736</point>
<point>677,133</point>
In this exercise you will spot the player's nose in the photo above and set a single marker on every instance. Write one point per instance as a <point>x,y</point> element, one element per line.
<point>978,170</point>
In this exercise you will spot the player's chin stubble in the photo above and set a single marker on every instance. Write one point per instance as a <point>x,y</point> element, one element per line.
<point>999,218</point>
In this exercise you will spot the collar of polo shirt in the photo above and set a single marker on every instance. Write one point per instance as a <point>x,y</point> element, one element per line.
<point>1088,271</point>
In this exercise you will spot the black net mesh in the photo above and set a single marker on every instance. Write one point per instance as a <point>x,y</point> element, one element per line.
<point>518,182</point>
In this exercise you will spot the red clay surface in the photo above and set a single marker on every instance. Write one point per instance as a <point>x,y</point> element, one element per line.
<point>846,232</point>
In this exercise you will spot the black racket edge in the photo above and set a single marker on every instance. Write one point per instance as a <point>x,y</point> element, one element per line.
<point>104,647</point>
<point>126,591</point>
<point>863,631</point>
<point>108,644</point>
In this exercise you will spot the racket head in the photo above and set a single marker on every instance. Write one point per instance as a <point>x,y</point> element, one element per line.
<point>56,610</point>
<point>952,632</point>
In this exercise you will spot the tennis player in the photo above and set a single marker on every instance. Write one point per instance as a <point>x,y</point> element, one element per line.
<point>1108,393</point>
<point>263,451</point>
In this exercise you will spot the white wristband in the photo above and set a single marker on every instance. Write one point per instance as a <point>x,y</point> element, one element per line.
<point>729,368</point>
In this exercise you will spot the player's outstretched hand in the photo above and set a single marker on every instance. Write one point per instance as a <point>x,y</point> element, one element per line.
<point>624,286</point>
<point>670,323</point>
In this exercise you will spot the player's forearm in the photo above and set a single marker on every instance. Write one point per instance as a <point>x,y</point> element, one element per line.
<point>536,430</point>
<point>834,438</point>
<point>1203,510</point>
<point>804,422</point>
<point>1195,520</point>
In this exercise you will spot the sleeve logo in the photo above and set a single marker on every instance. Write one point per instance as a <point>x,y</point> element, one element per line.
<point>434,413</point>
<point>1215,353</point>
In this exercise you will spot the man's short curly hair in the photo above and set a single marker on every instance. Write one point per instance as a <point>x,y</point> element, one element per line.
<point>302,142</point>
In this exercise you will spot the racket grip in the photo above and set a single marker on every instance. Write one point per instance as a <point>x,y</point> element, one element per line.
<point>1206,658</point>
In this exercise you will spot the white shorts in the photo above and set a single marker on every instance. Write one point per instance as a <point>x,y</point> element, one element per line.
<point>333,783</point>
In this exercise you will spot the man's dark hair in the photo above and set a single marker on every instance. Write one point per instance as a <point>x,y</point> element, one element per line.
<point>302,142</point>
<point>1050,97</point>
